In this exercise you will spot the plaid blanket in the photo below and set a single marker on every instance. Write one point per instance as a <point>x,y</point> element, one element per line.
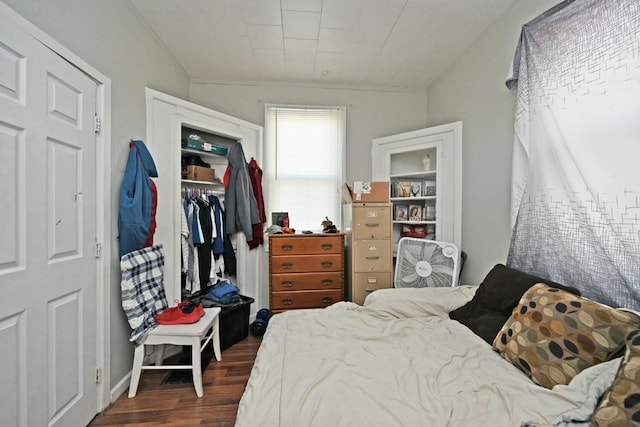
<point>142,287</point>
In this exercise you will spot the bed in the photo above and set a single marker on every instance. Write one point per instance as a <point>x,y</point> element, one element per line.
<point>401,360</point>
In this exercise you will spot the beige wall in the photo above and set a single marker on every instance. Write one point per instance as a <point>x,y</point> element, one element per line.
<point>473,91</point>
<point>107,35</point>
<point>370,113</point>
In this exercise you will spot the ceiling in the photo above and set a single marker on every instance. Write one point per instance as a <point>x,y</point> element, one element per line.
<point>364,43</point>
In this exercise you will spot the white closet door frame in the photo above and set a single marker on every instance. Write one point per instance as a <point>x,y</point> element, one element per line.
<point>165,117</point>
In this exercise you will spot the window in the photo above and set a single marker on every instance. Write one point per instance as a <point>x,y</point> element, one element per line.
<point>304,167</point>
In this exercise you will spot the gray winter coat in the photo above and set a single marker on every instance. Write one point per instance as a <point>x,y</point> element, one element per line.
<point>239,201</point>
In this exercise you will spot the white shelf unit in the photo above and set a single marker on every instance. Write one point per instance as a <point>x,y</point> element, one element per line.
<point>217,162</point>
<point>399,160</point>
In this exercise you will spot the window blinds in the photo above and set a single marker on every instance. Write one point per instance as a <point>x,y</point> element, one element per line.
<point>305,163</point>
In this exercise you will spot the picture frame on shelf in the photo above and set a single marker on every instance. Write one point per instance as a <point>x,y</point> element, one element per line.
<point>403,189</point>
<point>429,213</point>
<point>415,213</point>
<point>401,212</point>
<point>429,188</point>
<point>416,189</point>
<point>277,218</point>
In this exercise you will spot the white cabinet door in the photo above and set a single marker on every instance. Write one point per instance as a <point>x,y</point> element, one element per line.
<point>428,157</point>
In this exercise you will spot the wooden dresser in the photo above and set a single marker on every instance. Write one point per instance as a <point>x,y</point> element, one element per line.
<point>305,270</point>
<point>370,249</point>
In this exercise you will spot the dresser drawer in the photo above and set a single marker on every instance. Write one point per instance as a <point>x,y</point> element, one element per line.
<point>306,263</point>
<point>371,222</point>
<point>306,299</point>
<point>306,281</point>
<point>372,255</point>
<point>302,245</point>
<point>365,283</point>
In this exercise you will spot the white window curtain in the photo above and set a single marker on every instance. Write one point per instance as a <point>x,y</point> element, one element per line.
<point>576,185</point>
<point>304,165</point>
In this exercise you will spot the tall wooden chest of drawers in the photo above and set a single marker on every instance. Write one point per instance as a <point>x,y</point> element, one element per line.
<point>370,259</point>
<point>305,270</point>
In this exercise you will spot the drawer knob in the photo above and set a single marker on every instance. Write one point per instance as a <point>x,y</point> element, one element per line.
<point>287,284</point>
<point>327,300</point>
<point>327,264</point>
<point>373,257</point>
<point>372,224</point>
<point>287,301</point>
<point>327,282</point>
<point>327,246</point>
<point>287,265</point>
<point>287,248</point>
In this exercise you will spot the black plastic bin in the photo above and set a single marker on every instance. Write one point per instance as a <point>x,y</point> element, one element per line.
<point>234,323</point>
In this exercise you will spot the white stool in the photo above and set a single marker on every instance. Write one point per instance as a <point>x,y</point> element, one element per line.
<point>197,335</point>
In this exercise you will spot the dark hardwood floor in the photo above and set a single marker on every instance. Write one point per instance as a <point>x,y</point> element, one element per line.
<point>158,404</point>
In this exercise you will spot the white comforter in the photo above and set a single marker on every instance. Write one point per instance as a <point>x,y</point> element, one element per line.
<point>400,361</point>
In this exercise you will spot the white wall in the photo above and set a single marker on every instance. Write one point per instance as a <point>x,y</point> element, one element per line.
<point>107,35</point>
<point>473,91</point>
<point>370,113</point>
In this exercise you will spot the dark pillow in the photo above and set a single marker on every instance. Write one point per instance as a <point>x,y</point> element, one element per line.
<point>495,299</point>
<point>485,325</point>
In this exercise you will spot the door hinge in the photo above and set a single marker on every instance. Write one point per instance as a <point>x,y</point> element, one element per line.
<point>98,375</point>
<point>98,250</point>
<point>97,124</point>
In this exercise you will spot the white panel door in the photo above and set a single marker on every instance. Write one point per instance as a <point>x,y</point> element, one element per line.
<point>47,236</point>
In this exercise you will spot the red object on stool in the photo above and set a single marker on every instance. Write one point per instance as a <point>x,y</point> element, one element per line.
<point>185,312</point>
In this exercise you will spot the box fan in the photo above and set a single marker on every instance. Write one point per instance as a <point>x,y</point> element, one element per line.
<point>422,263</point>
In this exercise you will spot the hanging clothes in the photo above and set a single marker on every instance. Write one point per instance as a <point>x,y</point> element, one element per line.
<point>255,176</point>
<point>229,253</point>
<point>138,200</point>
<point>185,235</point>
<point>218,241</point>
<point>240,202</point>
<point>192,276</point>
<point>204,248</point>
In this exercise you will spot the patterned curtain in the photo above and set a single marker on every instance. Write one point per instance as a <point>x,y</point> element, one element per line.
<point>576,163</point>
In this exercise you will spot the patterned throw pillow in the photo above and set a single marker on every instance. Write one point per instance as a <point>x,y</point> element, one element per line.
<point>553,335</point>
<point>620,406</point>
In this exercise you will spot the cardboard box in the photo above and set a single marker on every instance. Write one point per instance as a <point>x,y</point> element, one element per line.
<point>198,144</point>
<point>198,173</point>
<point>366,192</point>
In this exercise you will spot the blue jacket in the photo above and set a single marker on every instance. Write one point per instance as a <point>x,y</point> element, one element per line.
<point>136,199</point>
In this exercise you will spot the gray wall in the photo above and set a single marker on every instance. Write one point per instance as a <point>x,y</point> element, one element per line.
<point>107,35</point>
<point>473,91</point>
<point>370,113</point>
